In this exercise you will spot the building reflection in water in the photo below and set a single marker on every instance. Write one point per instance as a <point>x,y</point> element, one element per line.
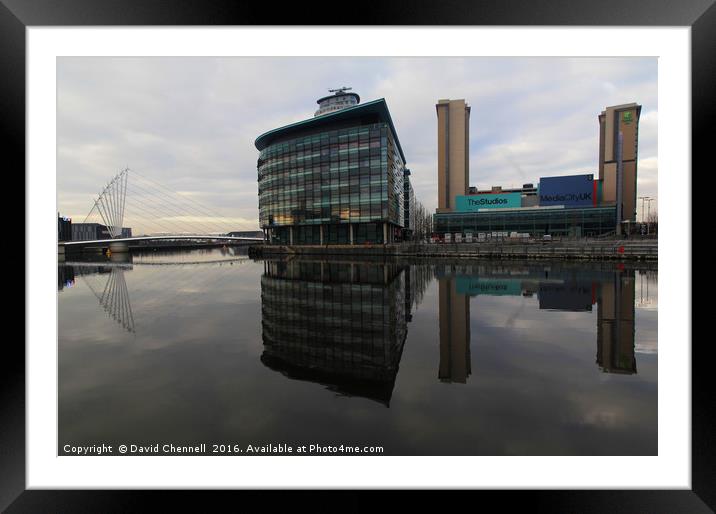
<point>454,333</point>
<point>344,324</point>
<point>558,288</point>
<point>65,277</point>
<point>615,324</point>
<point>340,324</point>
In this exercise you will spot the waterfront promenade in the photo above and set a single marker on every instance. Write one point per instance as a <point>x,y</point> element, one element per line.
<point>589,249</point>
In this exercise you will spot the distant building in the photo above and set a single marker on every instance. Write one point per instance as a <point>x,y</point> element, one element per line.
<point>409,206</point>
<point>577,205</point>
<point>453,152</point>
<point>246,233</point>
<point>64,228</point>
<point>89,232</point>
<point>561,206</point>
<point>613,120</point>
<point>525,189</point>
<point>95,231</point>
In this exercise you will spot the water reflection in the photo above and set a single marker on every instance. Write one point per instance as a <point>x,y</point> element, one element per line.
<point>342,325</point>
<point>615,324</point>
<point>647,285</point>
<point>512,358</point>
<point>113,297</point>
<point>104,277</point>
<point>65,277</point>
<point>455,365</point>
<point>557,288</point>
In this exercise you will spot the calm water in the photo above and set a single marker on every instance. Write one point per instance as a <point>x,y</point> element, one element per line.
<point>480,358</point>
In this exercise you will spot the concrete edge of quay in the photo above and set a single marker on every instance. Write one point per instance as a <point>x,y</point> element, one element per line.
<point>640,250</point>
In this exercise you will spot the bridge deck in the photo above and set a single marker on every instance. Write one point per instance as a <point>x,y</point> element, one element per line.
<point>159,238</point>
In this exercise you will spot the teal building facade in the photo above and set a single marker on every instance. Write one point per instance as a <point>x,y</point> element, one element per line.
<point>337,178</point>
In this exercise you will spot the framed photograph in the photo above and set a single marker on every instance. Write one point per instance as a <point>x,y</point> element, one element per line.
<point>410,252</point>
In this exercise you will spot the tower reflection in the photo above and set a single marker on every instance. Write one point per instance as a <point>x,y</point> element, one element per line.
<point>455,364</point>
<point>615,324</point>
<point>340,324</point>
<point>558,288</point>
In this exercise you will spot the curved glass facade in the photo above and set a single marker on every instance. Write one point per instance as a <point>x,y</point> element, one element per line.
<point>346,179</point>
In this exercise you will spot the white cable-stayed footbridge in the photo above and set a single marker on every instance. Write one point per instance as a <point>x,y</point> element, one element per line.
<point>155,213</point>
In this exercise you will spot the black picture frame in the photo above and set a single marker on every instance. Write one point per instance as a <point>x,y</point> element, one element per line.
<point>16,15</point>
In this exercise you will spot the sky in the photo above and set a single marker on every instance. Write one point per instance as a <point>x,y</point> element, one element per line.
<point>189,123</point>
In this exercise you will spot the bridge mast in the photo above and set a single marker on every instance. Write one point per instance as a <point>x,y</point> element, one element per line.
<point>110,203</point>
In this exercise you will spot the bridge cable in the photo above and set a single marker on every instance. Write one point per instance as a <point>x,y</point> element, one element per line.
<point>200,206</point>
<point>136,189</point>
<point>178,209</point>
<point>178,199</point>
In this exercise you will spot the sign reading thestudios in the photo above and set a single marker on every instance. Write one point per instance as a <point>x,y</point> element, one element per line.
<point>488,201</point>
<point>570,191</point>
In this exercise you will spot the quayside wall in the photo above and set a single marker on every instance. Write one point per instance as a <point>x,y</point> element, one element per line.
<point>621,250</point>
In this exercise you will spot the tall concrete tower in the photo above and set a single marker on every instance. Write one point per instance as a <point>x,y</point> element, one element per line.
<point>453,151</point>
<point>613,120</point>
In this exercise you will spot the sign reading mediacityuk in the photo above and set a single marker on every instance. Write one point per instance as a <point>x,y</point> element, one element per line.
<point>472,203</point>
<point>570,191</point>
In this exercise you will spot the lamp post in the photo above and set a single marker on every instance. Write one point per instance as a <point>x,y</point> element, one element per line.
<point>648,215</point>
<point>643,198</point>
<point>620,171</point>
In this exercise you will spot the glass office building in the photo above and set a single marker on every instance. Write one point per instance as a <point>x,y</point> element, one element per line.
<point>409,206</point>
<point>336,178</point>
<point>568,222</point>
